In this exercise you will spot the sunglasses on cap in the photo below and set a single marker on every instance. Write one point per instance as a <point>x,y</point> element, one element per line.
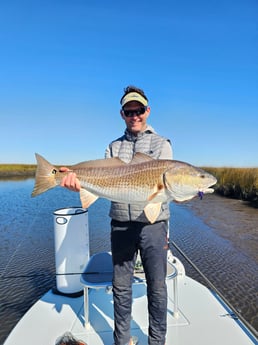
<point>137,112</point>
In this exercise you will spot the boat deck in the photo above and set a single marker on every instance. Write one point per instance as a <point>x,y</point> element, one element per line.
<point>202,320</point>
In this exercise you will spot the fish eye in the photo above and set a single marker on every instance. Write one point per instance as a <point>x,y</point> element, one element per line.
<point>54,171</point>
<point>202,176</point>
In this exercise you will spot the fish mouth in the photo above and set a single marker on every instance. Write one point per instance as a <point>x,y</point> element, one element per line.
<point>206,191</point>
<point>209,190</point>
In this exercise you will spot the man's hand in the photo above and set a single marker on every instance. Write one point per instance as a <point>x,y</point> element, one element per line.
<point>70,181</point>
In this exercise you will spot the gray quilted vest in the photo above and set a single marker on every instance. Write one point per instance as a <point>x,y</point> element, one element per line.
<point>125,147</point>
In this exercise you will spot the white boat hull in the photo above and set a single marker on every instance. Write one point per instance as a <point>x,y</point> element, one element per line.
<point>202,319</point>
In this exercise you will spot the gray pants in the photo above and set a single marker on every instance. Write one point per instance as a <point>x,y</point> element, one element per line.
<point>151,239</point>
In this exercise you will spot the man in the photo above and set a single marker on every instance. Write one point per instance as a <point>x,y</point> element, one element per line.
<point>131,230</point>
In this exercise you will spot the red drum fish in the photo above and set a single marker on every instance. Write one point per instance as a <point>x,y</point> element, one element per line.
<point>146,181</point>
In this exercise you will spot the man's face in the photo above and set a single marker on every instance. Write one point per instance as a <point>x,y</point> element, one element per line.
<point>135,122</point>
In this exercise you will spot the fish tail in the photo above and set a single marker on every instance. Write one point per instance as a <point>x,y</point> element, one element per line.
<point>45,178</point>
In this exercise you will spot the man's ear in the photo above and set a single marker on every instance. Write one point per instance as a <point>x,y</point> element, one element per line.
<point>148,112</point>
<point>122,114</point>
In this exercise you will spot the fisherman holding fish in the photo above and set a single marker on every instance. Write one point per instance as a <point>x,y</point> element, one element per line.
<point>131,230</point>
<point>139,176</point>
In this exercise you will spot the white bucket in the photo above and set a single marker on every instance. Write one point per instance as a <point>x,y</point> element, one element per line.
<point>71,247</point>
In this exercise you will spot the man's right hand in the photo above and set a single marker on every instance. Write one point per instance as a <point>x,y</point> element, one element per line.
<point>70,181</point>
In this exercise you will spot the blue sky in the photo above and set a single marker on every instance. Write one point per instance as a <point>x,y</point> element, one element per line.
<point>64,64</point>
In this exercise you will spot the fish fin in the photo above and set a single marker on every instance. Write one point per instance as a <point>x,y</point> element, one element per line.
<point>152,211</point>
<point>111,162</point>
<point>45,176</point>
<point>140,158</point>
<point>98,163</point>
<point>160,188</point>
<point>87,198</point>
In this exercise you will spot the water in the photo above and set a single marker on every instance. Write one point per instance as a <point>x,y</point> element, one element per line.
<point>219,235</point>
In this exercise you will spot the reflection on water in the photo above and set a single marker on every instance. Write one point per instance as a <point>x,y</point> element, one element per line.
<point>219,235</point>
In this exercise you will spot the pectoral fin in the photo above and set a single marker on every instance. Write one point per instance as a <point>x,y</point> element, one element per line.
<point>152,211</point>
<point>159,190</point>
<point>87,198</point>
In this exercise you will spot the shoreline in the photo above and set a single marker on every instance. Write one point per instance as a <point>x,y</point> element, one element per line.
<point>17,170</point>
<point>11,174</point>
<point>214,210</point>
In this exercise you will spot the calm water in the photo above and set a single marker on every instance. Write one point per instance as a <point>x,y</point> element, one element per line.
<point>219,235</point>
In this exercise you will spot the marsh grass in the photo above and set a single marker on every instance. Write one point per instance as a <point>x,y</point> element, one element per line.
<point>9,170</point>
<point>241,183</point>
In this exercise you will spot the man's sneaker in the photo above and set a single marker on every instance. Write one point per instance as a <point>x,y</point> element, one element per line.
<point>133,341</point>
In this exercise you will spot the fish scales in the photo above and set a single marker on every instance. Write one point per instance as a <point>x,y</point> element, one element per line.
<point>139,179</point>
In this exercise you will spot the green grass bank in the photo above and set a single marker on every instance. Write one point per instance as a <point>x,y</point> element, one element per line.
<point>17,170</point>
<point>238,183</point>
